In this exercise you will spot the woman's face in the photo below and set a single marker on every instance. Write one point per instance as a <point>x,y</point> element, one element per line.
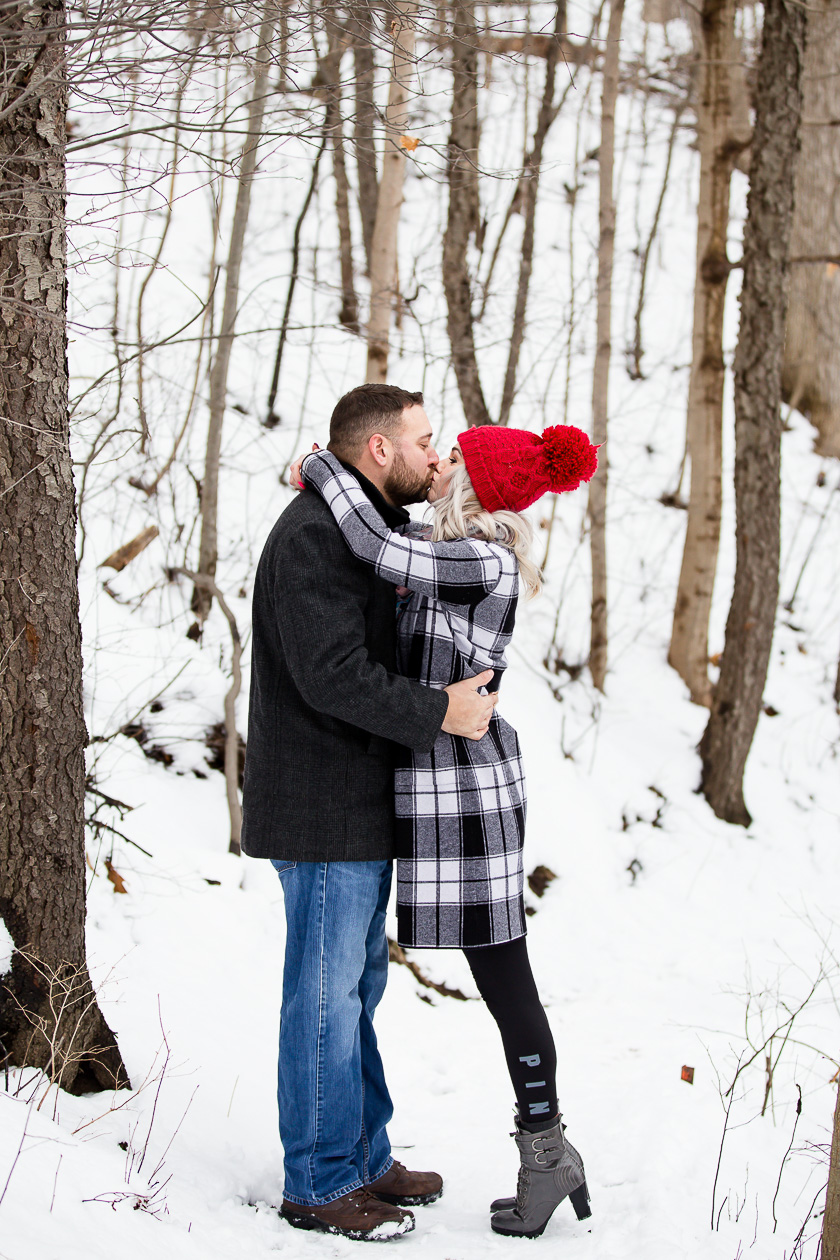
<point>445,469</point>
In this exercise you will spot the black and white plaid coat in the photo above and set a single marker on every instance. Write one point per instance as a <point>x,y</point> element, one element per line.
<point>460,809</point>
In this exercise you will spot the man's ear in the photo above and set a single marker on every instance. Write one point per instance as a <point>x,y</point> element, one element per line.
<point>380,449</point>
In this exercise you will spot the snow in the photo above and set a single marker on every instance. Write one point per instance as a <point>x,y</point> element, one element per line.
<point>668,938</point>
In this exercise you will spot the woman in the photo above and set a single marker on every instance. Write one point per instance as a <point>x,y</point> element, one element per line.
<point>460,809</point>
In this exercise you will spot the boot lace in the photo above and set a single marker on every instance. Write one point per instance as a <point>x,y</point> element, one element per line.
<point>522,1186</point>
<point>363,1196</point>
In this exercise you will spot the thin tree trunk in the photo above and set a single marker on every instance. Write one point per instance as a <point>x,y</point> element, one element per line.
<point>231,696</point>
<point>634,367</point>
<point>597,506</point>
<point>49,1017</point>
<point>272,418</point>
<point>831,1220</point>
<point>689,650</point>
<point>208,546</point>
<point>811,374</point>
<point>361,25</point>
<point>530,186</point>
<point>463,217</point>
<point>737,698</point>
<point>331,70</point>
<point>383,265</point>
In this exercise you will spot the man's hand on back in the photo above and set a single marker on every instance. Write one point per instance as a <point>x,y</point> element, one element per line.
<point>469,713</point>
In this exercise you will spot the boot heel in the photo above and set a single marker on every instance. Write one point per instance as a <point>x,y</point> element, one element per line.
<point>579,1200</point>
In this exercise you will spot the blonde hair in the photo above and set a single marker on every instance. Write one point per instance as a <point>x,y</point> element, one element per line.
<point>459,514</point>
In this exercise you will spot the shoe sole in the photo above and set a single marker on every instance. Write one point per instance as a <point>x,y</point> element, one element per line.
<point>409,1200</point>
<point>304,1221</point>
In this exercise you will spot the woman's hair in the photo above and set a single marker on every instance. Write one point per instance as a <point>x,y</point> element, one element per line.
<point>458,514</point>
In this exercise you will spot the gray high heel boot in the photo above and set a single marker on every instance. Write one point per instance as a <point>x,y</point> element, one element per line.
<point>550,1171</point>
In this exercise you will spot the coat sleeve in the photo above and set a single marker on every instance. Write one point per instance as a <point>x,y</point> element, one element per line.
<point>461,572</point>
<point>319,607</point>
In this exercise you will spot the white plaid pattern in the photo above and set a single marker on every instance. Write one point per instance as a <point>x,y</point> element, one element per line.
<point>460,808</point>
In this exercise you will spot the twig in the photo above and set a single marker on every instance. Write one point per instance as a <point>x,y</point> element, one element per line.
<point>787,1152</point>
<point>722,1140</point>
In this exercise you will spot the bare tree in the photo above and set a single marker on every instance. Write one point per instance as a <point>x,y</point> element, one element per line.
<point>689,650</point>
<point>737,698</point>
<point>530,187</point>
<point>331,72</point>
<point>597,505</point>
<point>49,1016</point>
<point>811,375</point>
<point>208,546</point>
<point>383,255</point>
<point>361,26</point>
<point>831,1220</point>
<point>463,217</point>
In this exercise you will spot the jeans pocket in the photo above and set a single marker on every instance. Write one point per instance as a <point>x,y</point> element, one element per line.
<point>281,867</point>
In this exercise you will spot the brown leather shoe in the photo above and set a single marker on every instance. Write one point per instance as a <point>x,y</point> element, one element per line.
<point>359,1214</point>
<point>407,1189</point>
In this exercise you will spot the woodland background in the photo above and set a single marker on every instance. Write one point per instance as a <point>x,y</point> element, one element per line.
<point>538,214</point>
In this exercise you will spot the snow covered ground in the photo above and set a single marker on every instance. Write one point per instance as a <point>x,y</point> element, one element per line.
<point>668,938</point>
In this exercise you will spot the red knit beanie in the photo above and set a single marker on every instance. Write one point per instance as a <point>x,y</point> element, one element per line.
<point>512,468</point>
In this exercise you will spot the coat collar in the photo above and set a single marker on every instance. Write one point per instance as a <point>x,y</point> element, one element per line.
<point>393,517</point>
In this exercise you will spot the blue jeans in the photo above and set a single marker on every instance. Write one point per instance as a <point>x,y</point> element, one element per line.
<point>332,1097</point>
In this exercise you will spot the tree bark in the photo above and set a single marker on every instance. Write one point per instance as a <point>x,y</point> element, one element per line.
<point>811,373</point>
<point>208,546</point>
<point>689,650</point>
<point>597,506</point>
<point>361,25</point>
<point>831,1220</point>
<point>383,265</point>
<point>49,1017</point>
<point>530,187</point>
<point>463,216</point>
<point>758,365</point>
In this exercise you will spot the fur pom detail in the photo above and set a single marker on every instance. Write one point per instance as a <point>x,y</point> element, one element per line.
<point>569,457</point>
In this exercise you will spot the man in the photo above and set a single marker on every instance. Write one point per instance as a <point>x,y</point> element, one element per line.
<point>326,710</point>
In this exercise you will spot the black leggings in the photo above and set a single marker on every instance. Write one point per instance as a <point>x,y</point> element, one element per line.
<point>505,981</point>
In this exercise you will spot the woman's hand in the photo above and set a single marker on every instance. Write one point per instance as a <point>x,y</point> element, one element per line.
<point>294,472</point>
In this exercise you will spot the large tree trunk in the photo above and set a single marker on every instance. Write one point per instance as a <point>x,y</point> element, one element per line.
<point>831,1220</point>
<point>689,637</point>
<point>49,1017</point>
<point>463,217</point>
<point>383,256</point>
<point>530,186</point>
<point>597,506</point>
<point>811,374</point>
<point>208,546</point>
<point>758,366</point>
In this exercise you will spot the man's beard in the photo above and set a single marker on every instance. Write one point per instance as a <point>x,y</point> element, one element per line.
<point>403,486</point>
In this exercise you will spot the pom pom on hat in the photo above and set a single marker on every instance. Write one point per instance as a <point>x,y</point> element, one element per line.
<point>512,468</point>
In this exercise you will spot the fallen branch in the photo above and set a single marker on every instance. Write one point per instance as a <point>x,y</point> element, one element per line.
<point>396,954</point>
<point>124,555</point>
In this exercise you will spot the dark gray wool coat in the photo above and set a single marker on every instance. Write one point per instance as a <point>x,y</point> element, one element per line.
<point>325,699</point>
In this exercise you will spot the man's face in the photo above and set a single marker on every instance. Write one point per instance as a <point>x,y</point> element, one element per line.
<point>414,462</point>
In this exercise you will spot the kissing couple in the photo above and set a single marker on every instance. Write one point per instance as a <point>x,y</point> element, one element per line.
<point>378,654</point>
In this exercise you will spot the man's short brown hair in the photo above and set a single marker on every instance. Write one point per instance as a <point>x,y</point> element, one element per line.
<point>365,410</point>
